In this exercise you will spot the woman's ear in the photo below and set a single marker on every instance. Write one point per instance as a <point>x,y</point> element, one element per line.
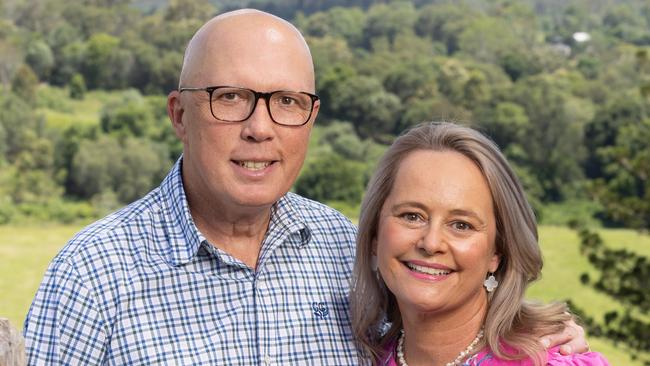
<point>374,265</point>
<point>494,262</point>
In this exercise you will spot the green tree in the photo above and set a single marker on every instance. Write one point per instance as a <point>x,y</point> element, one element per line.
<point>90,18</point>
<point>17,119</point>
<point>167,35</point>
<point>95,166</point>
<point>452,77</point>
<point>415,78</point>
<point>554,144</point>
<point>165,76</point>
<point>624,22</point>
<point>343,140</point>
<point>506,124</point>
<point>66,147</point>
<point>487,39</point>
<point>194,9</point>
<point>389,20</point>
<point>129,168</point>
<point>77,87</point>
<point>34,180</point>
<point>105,63</point>
<point>602,131</point>
<point>329,54</point>
<point>130,116</point>
<point>144,165</point>
<point>332,178</point>
<point>10,60</point>
<point>70,59</point>
<point>24,84</point>
<point>364,101</point>
<point>337,22</point>
<point>476,90</point>
<point>145,61</point>
<point>40,58</point>
<point>444,23</point>
<point>625,189</point>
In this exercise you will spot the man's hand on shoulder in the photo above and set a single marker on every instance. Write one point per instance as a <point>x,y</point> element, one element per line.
<point>572,339</point>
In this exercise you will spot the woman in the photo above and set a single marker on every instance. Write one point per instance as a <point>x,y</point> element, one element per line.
<point>447,245</point>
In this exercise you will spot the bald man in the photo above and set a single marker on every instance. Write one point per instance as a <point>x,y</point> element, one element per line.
<point>219,265</point>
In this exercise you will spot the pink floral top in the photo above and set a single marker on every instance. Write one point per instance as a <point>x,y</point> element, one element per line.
<point>487,358</point>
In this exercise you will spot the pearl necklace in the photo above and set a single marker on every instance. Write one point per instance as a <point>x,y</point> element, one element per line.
<point>457,362</point>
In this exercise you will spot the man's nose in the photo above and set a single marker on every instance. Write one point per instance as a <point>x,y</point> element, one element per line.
<point>259,126</point>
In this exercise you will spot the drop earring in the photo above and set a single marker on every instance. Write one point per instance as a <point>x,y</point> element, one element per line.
<point>373,263</point>
<point>491,283</point>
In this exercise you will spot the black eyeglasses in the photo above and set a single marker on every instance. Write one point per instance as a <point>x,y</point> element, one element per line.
<point>233,104</point>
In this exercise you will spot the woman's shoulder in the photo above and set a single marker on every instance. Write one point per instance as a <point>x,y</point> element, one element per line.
<point>553,358</point>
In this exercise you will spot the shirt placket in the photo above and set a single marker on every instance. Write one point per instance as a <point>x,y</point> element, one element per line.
<point>266,320</point>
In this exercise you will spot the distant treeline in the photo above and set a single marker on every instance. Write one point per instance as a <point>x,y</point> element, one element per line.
<point>562,86</point>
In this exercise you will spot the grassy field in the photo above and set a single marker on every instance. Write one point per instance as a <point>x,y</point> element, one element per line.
<point>560,280</point>
<point>61,112</point>
<point>25,252</point>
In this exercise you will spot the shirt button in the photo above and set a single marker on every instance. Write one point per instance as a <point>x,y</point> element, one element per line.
<point>267,359</point>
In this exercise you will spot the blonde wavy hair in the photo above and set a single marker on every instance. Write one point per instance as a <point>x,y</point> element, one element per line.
<point>376,319</point>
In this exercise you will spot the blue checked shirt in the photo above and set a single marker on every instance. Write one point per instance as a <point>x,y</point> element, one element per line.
<point>144,287</point>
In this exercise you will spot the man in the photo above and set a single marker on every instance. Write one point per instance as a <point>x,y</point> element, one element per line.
<point>219,265</point>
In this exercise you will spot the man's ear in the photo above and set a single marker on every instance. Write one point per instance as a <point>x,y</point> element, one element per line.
<point>175,112</point>
<point>314,112</point>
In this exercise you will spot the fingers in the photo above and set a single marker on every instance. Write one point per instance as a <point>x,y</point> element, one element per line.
<point>571,340</point>
<point>568,349</point>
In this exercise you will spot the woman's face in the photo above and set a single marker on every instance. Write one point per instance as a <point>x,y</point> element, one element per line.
<point>435,241</point>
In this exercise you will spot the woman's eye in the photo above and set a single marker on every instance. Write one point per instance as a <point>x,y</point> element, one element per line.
<point>462,226</point>
<point>410,217</point>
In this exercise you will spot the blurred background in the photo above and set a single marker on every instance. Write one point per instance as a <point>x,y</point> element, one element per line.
<point>562,86</point>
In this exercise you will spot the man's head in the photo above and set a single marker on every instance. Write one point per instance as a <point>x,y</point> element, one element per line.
<point>248,164</point>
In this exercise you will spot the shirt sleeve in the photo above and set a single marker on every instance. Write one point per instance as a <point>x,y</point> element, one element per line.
<point>64,324</point>
<point>578,359</point>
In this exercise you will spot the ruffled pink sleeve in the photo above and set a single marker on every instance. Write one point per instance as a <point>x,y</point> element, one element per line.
<point>578,359</point>
<point>553,357</point>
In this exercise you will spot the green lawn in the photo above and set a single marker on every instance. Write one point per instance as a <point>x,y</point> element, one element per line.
<point>26,250</point>
<point>61,112</point>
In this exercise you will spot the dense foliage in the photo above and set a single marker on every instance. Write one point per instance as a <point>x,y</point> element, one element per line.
<point>562,87</point>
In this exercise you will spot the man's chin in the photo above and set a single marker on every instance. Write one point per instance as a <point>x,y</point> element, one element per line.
<point>252,198</point>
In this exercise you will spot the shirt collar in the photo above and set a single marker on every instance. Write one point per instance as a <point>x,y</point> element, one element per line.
<point>183,236</point>
<point>288,218</point>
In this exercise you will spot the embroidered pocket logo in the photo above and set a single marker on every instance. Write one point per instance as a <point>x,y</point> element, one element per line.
<point>320,310</point>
